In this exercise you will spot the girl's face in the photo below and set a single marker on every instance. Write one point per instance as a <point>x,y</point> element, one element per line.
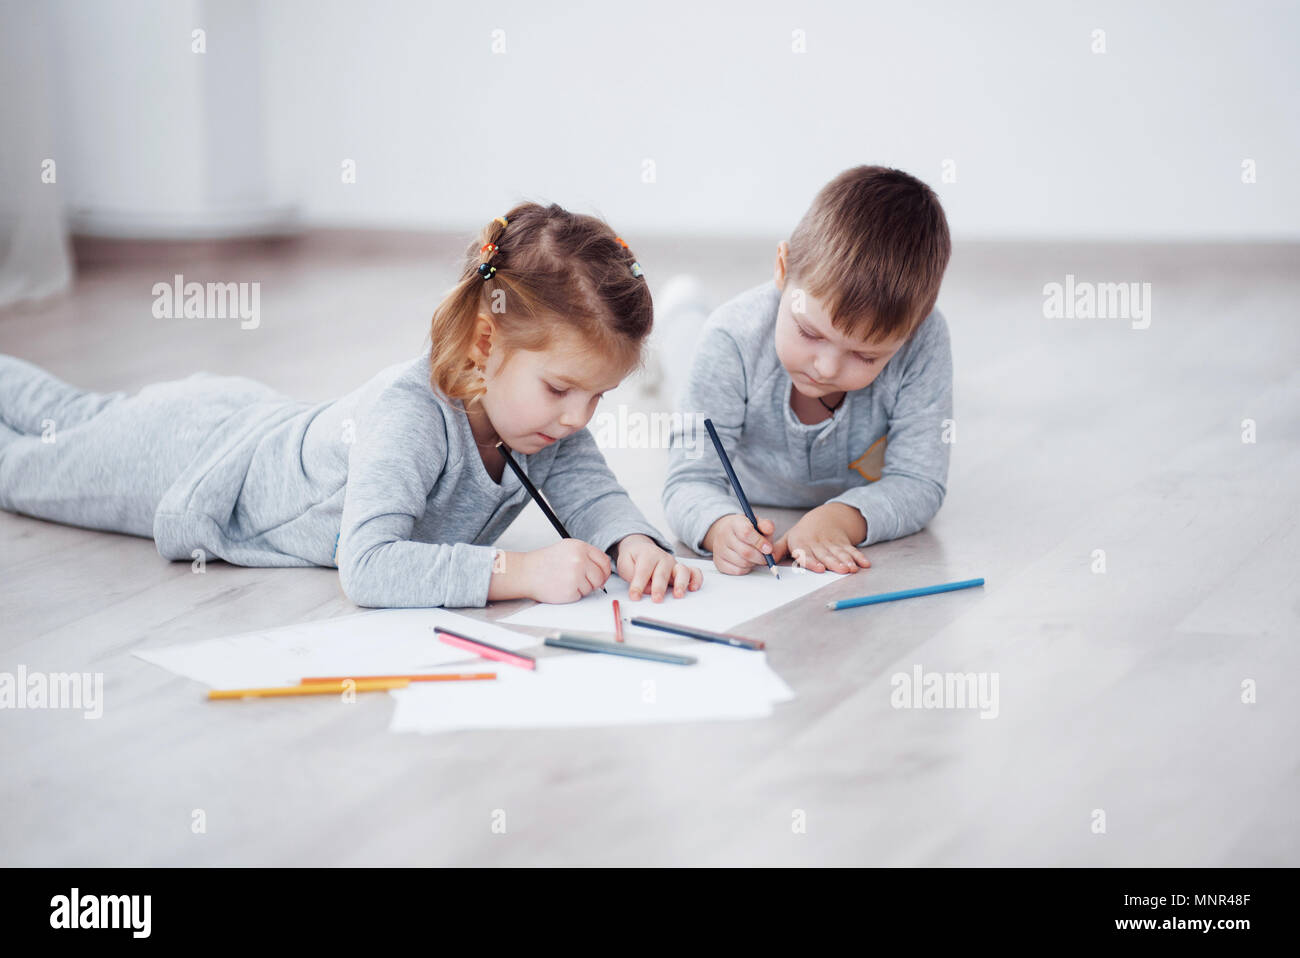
<point>537,397</point>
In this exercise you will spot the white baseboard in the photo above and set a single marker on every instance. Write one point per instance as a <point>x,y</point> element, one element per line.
<point>192,225</point>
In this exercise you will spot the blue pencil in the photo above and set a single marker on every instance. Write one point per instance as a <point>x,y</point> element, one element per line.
<point>904,594</point>
<point>740,493</point>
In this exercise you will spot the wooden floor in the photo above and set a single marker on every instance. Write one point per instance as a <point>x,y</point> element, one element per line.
<point>1119,691</point>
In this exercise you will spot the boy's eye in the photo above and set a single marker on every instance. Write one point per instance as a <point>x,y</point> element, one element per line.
<point>554,391</point>
<point>866,359</point>
<point>805,334</point>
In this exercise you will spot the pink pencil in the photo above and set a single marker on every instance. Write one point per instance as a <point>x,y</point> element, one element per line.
<point>488,651</point>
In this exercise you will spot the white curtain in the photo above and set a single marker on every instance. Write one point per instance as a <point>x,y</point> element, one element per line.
<point>35,258</point>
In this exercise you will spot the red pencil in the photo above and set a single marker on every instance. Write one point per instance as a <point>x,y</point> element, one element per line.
<point>618,623</point>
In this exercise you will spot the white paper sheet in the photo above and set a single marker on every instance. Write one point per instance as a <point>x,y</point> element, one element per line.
<point>721,601</point>
<point>586,689</point>
<point>386,642</point>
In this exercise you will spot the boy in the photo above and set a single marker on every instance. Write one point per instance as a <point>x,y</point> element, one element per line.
<point>831,387</point>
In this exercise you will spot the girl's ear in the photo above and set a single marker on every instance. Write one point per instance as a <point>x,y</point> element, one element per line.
<point>481,345</point>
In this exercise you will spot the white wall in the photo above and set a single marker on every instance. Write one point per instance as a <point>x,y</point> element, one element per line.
<point>157,138</point>
<point>1144,141</point>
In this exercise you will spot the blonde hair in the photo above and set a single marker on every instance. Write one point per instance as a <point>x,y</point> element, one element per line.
<point>874,244</point>
<point>551,270</point>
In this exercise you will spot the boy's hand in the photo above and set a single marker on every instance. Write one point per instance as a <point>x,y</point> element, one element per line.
<point>823,539</point>
<point>642,563</point>
<point>566,571</point>
<point>736,546</point>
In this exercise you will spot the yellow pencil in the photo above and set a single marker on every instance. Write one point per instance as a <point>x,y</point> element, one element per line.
<point>314,688</point>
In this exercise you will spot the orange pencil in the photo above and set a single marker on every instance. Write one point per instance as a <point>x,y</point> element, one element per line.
<point>315,688</point>
<point>618,623</point>
<point>426,677</point>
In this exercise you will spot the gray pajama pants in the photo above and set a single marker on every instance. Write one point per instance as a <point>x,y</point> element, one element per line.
<point>99,460</point>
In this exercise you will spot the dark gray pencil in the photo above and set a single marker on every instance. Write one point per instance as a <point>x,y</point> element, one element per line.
<point>740,493</point>
<point>537,496</point>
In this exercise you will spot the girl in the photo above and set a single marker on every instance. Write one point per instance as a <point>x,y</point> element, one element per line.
<point>399,484</point>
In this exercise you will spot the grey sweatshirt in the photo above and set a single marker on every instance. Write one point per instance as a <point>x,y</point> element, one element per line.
<point>883,451</point>
<point>393,472</point>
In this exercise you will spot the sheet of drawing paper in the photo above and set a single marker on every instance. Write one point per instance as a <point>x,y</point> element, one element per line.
<point>591,689</point>
<point>383,642</point>
<point>721,602</point>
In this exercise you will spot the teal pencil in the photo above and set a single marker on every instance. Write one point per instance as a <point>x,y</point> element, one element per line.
<point>904,594</point>
<point>582,643</point>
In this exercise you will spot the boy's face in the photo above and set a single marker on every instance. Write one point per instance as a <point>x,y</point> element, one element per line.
<point>820,359</point>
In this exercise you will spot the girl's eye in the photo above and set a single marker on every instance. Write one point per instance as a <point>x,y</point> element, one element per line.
<point>805,335</point>
<point>866,359</point>
<point>556,392</point>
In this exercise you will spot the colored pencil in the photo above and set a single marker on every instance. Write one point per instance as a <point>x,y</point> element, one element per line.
<point>425,677</point>
<point>485,649</point>
<point>618,623</point>
<point>313,688</point>
<point>903,594</point>
<point>740,493</point>
<point>537,496</point>
<point>584,644</point>
<point>704,635</point>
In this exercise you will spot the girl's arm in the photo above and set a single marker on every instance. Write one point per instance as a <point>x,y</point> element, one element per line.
<point>588,498</point>
<point>396,459</point>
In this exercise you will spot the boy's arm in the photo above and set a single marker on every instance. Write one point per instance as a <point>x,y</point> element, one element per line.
<point>588,499</point>
<point>696,493</point>
<point>914,479</point>
<point>397,458</point>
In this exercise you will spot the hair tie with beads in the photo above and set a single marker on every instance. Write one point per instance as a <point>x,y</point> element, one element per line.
<point>486,271</point>
<point>503,221</point>
<point>636,267</point>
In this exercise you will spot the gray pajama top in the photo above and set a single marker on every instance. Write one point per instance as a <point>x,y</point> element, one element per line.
<point>884,451</point>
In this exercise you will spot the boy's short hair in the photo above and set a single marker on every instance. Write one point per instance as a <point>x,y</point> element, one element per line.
<point>873,247</point>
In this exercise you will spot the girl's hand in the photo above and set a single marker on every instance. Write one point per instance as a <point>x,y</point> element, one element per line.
<point>566,571</point>
<point>823,539</point>
<point>642,563</point>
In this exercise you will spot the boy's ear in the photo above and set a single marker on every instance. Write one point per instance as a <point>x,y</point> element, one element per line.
<point>481,346</point>
<point>778,268</point>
